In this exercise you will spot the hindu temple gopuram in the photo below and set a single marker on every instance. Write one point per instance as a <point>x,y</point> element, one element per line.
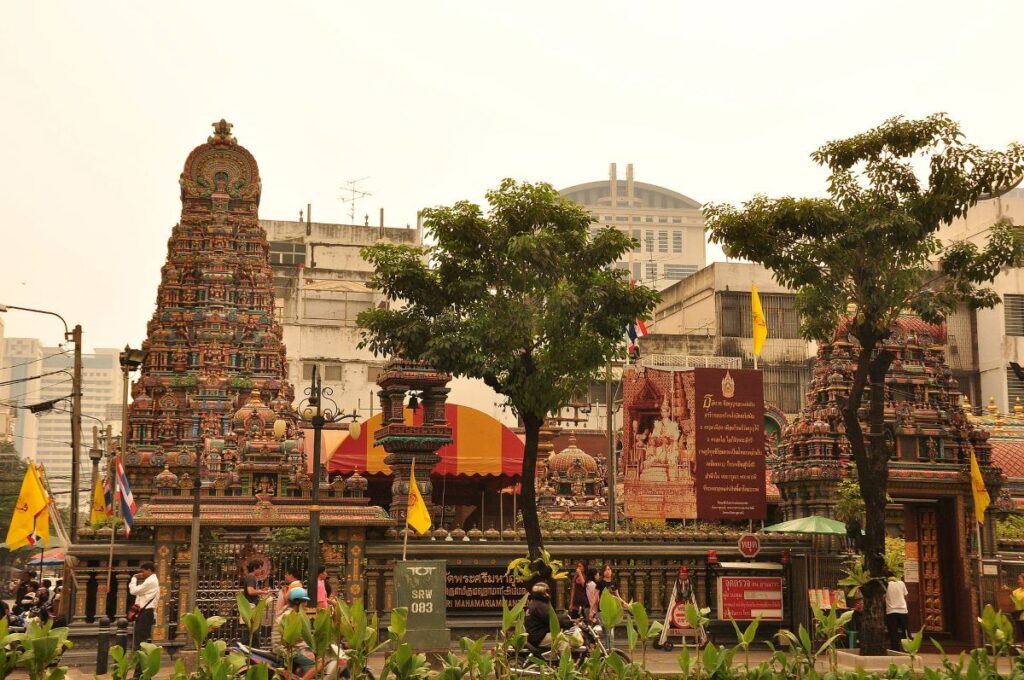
<point>930,437</point>
<point>213,386</point>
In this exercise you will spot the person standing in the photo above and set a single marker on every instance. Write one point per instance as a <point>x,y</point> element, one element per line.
<point>896,611</point>
<point>252,592</point>
<point>323,588</point>
<point>607,582</point>
<point>593,597</point>
<point>145,587</point>
<point>1018,605</point>
<point>578,602</point>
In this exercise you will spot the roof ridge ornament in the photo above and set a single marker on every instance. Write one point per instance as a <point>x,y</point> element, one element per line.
<point>222,134</point>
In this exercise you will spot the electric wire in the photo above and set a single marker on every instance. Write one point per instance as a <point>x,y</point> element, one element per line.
<point>33,361</point>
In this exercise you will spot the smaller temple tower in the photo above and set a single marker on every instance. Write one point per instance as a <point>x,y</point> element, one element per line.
<point>405,443</point>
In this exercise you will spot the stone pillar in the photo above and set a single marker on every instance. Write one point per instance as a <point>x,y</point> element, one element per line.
<point>164,554</point>
<point>355,554</point>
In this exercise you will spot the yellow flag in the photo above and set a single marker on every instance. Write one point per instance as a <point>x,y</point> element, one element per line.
<point>30,522</point>
<point>417,516</point>
<point>99,503</point>
<point>760,326</point>
<point>978,489</point>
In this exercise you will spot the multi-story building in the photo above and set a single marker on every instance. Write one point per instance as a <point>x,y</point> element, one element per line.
<point>668,226</point>
<point>8,412</point>
<point>22,357</point>
<point>994,337</point>
<point>710,314</point>
<point>46,437</point>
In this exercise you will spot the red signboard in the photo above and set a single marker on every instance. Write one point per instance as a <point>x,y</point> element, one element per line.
<point>744,598</point>
<point>750,545</point>
<point>729,429</point>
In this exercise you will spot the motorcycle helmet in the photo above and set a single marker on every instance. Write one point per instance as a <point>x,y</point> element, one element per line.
<point>298,595</point>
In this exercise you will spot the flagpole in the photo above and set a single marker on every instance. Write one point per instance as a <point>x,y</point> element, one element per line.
<point>405,541</point>
<point>116,490</point>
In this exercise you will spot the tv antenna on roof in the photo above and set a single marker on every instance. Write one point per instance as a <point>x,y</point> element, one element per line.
<point>354,194</point>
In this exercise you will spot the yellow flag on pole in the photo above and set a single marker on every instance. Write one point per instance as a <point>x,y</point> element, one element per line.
<point>978,490</point>
<point>417,515</point>
<point>30,522</point>
<point>99,503</point>
<point>760,326</point>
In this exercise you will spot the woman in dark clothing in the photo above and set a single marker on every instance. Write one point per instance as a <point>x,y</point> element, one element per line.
<point>579,604</point>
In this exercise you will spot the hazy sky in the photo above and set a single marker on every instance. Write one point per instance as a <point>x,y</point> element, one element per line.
<point>437,101</point>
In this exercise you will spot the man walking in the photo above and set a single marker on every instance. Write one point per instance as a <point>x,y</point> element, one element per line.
<point>896,611</point>
<point>146,588</point>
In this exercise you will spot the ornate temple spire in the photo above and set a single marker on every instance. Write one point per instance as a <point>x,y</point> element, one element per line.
<point>215,350</point>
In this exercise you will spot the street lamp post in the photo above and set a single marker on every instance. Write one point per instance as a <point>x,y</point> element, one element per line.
<point>312,411</point>
<point>75,336</point>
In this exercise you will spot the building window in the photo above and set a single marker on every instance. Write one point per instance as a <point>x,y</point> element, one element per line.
<point>622,265</point>
<point>636,271</point>
<point>663,220</point>
<point>662,241</point>
<point>1014,388</point>
<point>677,241</point>
<point>652,271</point>
<point>649,241</point>
<point>307,371</point>
<point>334,372</point>
<point>677,220</point>
<point>287,253</point>
<point>636,237</point>
<point>678,272</point>
<point>373,374</point>
<point>779,311</point>
<point>1013,310</point>
<point>784,386</point>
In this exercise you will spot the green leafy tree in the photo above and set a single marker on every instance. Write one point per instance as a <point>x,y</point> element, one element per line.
<point>524,298</point>
<point>872,243</point>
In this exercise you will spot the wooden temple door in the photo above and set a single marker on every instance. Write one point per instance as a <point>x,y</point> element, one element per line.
<point>923,567</point>
<point>933,613</point>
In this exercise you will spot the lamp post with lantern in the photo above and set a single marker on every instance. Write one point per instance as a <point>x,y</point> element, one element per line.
<point>318,409</point>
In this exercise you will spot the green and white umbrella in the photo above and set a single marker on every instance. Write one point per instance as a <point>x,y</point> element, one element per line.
<point>815,524</point>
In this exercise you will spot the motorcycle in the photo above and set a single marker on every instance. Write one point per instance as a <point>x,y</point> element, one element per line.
<point>335,667</point>
<point>582,638</point>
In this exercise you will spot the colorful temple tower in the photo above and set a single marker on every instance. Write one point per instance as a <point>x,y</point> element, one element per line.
<point>213,345</point>
<point>930,438</point>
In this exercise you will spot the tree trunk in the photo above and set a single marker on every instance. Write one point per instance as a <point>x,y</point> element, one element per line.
<point>872,460</point>
<point>528,498</point>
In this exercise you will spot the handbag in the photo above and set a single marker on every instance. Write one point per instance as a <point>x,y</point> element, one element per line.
<point>133,612</point>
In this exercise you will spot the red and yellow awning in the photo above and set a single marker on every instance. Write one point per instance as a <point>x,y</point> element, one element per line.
<point>481,446</point>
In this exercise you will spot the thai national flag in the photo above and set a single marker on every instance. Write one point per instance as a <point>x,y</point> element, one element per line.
<point>124,492</point>
<point>637,329</point>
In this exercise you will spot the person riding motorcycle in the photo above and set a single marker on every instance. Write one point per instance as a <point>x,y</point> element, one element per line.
<point>538,622</point>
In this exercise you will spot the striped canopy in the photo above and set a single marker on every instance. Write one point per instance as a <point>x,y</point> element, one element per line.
<point>481,446</point>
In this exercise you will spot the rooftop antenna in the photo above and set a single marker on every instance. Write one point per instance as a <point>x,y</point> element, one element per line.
<point>354,193</point>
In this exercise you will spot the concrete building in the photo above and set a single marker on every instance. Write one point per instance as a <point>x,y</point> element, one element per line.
<point>709,314</point>
<point>668,225</point>
<point>8,412</point>
<point>319,289</point>
<point>46,437</point>
<point>995,337</point>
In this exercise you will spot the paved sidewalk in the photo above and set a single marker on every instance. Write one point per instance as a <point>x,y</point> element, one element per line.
<point>658,662</point>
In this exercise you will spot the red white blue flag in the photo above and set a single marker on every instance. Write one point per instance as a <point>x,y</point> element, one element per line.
<point>124,492</point>
<point>637,329</point>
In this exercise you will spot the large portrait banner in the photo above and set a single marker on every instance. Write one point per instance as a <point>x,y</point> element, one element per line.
<point>730,444</point>
<point>693,444</point>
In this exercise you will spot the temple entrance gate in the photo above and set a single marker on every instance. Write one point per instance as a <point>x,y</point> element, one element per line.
<point>222,568</point>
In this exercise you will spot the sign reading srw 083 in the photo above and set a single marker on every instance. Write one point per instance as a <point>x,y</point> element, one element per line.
<point>749,545</point>
<point>420,586</point>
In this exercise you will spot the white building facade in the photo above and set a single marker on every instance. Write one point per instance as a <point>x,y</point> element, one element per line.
<point>668,226</point>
